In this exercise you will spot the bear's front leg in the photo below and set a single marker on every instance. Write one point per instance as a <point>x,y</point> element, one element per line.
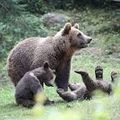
<point>62,75</point>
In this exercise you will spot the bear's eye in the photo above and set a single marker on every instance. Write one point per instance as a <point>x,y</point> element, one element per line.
<point>79,35</point>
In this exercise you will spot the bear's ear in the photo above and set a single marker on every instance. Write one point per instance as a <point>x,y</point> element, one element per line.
<point>76,25</point>
<point>66,29</point>
<point>46,65</point>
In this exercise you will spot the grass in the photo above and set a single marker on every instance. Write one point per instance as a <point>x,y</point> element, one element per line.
<point>85,109</point>
<point>94,22</point>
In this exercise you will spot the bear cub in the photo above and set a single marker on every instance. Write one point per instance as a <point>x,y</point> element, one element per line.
<point>79,91</point>
<point>32,83</point>
<point>86,91</point>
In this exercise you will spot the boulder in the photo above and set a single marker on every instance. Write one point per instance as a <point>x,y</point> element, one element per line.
<point>51,19</point>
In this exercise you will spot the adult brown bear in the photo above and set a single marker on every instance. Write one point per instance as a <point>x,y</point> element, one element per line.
<point>57,50</point>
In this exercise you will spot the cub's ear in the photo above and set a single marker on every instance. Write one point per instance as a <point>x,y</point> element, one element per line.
<point>76,25</point>
<point>46,65</point>
<point>66,29</point>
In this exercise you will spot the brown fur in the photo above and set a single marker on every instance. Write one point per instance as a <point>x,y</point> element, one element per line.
<point>74,86</point>
<point>67,95</point>
<point>73,95</point>
<point>85,91</point>
<point>99,73</point>
<point>114,76</point>
<point>78,91</point>
<point>92,85</point>
<point>57,50</point>
<point>32,83</point>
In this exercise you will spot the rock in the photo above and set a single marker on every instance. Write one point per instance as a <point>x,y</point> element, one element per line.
<point>51,19</point>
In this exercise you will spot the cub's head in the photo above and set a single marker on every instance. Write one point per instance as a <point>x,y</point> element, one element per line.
<point>48,75</point>
<point>76,37</point>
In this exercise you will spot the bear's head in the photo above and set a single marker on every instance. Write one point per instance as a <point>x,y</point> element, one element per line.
<point>48,75</point>
<point>77,38</point>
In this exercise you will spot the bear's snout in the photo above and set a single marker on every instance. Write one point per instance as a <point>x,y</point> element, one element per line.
<point>86,39</point>
<point>89,40</point>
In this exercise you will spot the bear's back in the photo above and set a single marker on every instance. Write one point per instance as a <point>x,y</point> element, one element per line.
<point>23,86</point>
<point>27,50</point>
<point>23,52</point>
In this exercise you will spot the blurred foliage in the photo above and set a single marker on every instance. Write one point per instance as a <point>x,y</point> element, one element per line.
<point>70,4</point>
<point>112,46</point>
<point>111,33</point>
<point>17,22</point>
<point>101,108</point>
<point>35,6</point>
<point>9,7</point>
<point>14,29</point>
<point>43,6</point>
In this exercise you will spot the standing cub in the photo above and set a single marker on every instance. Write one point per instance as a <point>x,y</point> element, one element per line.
<point>32,83</point>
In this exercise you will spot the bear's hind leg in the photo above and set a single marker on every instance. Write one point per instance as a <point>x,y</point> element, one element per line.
<point>67,95</point>
<point>74,86</point>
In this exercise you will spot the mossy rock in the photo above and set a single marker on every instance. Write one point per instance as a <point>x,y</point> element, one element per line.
<point>51,19</point>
